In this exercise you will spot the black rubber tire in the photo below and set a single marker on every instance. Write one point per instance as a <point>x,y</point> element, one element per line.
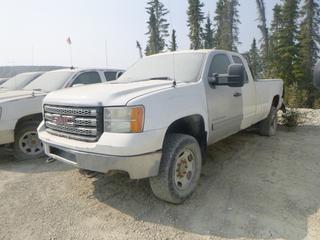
<point>163,185</point>
<point>268,127</point>
<point>19,132</point>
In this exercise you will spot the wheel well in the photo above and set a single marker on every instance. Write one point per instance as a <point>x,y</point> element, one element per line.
<point>192,125</point>
<point>275,101</point>
<point>33,117</point>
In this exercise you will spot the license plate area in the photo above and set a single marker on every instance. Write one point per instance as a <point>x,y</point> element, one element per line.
<point>63,154</point>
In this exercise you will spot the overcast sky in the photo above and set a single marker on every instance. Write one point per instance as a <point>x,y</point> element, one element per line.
<point>41,27</point>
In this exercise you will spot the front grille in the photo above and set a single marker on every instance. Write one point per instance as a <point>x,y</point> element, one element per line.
<point>80,123</point>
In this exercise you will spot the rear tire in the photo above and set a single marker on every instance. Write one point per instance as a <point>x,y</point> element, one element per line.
<point>268,127</point>
<point>180,169</point>
<point>27,145</point>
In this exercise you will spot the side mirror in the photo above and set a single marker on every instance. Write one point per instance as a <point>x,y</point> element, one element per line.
<point>316,77</point>
<point>236,75</point>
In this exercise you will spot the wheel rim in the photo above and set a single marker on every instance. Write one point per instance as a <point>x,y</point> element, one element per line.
<point>184,170</point>
<point>30,144</point>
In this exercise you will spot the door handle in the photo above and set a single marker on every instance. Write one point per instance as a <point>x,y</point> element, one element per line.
<point>237,94</point>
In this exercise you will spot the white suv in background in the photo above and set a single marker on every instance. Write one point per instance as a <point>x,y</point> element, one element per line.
<point>21,111</point>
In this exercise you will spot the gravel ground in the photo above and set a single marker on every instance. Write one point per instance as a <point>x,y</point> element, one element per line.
<point>252,187</point>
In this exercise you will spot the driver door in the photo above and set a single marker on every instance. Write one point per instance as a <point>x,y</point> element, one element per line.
<point>224,102</point>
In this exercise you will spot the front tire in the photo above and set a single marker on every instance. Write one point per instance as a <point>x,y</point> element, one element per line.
<point>268,127</point>
<point>27,145</point>
<point>180,169</point>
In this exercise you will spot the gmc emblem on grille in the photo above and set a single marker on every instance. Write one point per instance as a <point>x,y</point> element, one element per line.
<point>63,120</point>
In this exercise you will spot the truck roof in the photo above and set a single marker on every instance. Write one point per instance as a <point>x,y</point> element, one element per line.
<point>203,51</point>
<point>86,69</point>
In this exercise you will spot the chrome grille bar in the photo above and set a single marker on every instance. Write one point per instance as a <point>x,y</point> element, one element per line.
<point>80,123</point>
<point>88,112</point>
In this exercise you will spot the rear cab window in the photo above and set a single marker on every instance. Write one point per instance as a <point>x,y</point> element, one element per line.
<point>238,60</point>
<point>111,75</point>
<point>87,78</point>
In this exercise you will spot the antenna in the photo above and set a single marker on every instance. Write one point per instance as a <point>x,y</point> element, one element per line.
<point>174,82</point>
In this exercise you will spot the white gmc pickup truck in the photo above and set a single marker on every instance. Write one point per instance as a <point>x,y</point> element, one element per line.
<point>158,118</point>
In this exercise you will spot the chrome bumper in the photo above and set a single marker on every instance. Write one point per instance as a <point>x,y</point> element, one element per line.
<point>141,166</point>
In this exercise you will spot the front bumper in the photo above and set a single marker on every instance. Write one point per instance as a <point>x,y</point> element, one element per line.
<point>137,154</point>
<point>141,166</point>
<point>6,136</point>
<point>7,131</point>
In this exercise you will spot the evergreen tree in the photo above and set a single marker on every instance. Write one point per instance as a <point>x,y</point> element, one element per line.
<point>274,44</point>
<point>195,19</point>
<point>157,27</point>
<point>173,43</point>
<point>226,24</point>
<point>234,21</point>
<point>208,41</point>
<point>309,38</point>
<point>288,47</point>
<point>264,31</point>
<point>254,59</point>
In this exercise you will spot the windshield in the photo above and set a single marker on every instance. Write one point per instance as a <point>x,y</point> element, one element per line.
<point>19,81</point>
<point>183,67</point>
<point>50,81</point>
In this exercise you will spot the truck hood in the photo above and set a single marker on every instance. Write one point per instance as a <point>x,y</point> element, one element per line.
<point>105,94</point>
<point>6,96</point>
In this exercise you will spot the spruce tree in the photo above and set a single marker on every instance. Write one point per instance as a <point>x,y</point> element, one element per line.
<point>254,59</point>
<point>208,42</point>
<point>157,27</point>
<point>274,43</point>
<point>195,19</point>
<point>234,21</point>
<point>288,47</point>
<point>309,39</point>
<point>264,31</point>
<point>226,24</point>
<point>173,43</point>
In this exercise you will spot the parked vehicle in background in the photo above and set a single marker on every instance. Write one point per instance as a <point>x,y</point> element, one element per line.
<point>20,110</point>
<point>3,80</point>
<point>158,118</point>
<point>316,78</point>
<point>19,81</point>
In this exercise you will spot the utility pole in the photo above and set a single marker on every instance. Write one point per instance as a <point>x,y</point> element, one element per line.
<point>106,52</point>
<point>140,49</point>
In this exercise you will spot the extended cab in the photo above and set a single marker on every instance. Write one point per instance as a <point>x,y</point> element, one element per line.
<point>158,118</point>
<point>21,110</point>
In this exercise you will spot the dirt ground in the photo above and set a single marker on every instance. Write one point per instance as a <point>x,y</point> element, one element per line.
<point>252,187</point>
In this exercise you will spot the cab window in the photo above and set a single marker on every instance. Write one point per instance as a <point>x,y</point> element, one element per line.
<point>219,65</point>
<point>110,76</point>
<point>87,78</point>
<point>238,60</point>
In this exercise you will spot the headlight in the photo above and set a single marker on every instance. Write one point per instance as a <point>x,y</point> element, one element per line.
<point>124,119</point>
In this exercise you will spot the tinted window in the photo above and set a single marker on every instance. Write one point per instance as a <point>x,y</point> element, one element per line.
<point>110,76</point>
<point>238,60</point>
<point>87,78</point>
<point>119,74</point>
<point>219,64</point>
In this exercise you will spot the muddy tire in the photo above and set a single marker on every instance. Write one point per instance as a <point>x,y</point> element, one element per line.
<point>27,144</point>
<point>180,169</point>
<point>268,127</point>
